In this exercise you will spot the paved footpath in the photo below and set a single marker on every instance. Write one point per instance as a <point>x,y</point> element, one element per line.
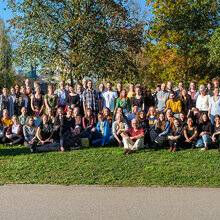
<point>94,202</point>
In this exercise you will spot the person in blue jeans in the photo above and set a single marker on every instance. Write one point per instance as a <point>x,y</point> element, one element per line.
<point>102,132</point>
<point>205,130</point>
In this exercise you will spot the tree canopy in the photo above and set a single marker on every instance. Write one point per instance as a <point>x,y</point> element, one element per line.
<point>76,37</point>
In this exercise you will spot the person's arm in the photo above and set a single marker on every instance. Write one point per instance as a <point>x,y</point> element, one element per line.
<point>2,131</point>
<point>167,129</point>
<point>179,106</point>
<point>38,135</point>
<point>42,107</point>
<point>138,136</point>
<point>46,103</point>
<point>57,101</point>
<point>49,139</point>
<point>194,135</point>
<point>185,134</point>
<point>143,105</point>
<point>25,133</point>
<point>32,103</point>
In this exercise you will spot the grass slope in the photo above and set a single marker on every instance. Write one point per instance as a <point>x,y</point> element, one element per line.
<point>108,166</point>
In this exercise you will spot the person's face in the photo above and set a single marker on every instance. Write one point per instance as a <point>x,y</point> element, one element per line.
<point>45,119</point>
<point>60,112</point>
<point>151,110</point>
<point>62,85</point>
<point>15,120</point>
<point>89,112</point>
<point>50,90</point>
<point>217,120</point>
<point>76,111</point>
<point>119,86</point>
<point>79,88</point>
<point>131,87</point>
<point>28,90</point>
<point>23,90</point>
<point>182,116</point>
<point>196,113</point>
<point>119,117</point>
<point>89,84</point>
<point>209,86</point>
<point>158,89</point>
<point>38,89</point>
<point>109,86</point>
<point>5,113</point>
<point>192,86</point>
<point>84,82</point>
<point>100,118</point>
<point>106,112</point>
<point>69,113</point>
<point>119,110</point>
<point>180,85</point>
<point>134,124</point>
<point>169,85</point>
<point>27,82</point>
<point>176,123</point>
<point>4,91</point>
<point>71,89</point>
<point>138,91</point>
<point>204,118</point>
<point>216,83</point>
<point>31,121</point>
<point>17,87</point>
<point>190,121</point>
<point>23,110</point>
<point>141,114</point>
<point>123,93</point>
<point>135,109</point>
<point>216,91</point>
<point>163,86</point>
<point>161,117</point>
<point>13,91</point>
<point>184,92</point>
<point>101,87</point>
<point>172,96</point>
<point>76,131</point>
<point>203,92</point>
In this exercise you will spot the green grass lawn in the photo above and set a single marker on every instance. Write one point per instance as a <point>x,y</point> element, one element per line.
<point>108,166</point>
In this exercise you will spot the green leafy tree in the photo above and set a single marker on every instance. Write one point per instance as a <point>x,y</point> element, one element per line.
<point>179,33</point>
<point>7,75</point>
<point>76,37</point>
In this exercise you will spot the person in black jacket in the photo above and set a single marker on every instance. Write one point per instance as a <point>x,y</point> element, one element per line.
<point>205,131</point>
<point>175,136</point>
<point>186,101</point>
<point>216,134</point>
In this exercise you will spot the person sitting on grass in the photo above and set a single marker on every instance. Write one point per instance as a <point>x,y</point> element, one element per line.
<point>216,134</point>
<point>133,138</point>
<point>107,115</point>
<point>102,132</point>
<point>57,124</point>
<point>205,131</point>
<point>2,132</point>
<point>88,120</point>
<point>144,124</point>
<point>175,136</point>
<point>159,134</point>
<point>29,131</point>
<point>6,119</point>
<point>118,126</point>
<point>14,133</point>
<point>76,115</point>
<point>190,133</point>
<point>182,119</point>
<point>23,117</point>
<point>119,110</point>
<point>44,134</point>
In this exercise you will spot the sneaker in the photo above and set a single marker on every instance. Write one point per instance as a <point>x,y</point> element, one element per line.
<point>204,148</point>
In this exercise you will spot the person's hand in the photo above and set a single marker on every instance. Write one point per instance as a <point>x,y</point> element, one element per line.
<point>57,127</point>
<point>9,136</point>
<point>31,142</point>
<point>62,149</point>
<point>51,140</point>
<point>120,143</point>
<point>202,133</point>
<point>187,140</point>
<point>93,129</point>
<point>42,142</point>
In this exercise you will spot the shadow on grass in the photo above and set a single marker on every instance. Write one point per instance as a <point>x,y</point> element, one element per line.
<point>14,151</point>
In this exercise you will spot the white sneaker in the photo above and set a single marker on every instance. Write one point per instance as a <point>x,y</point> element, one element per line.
<point>204,148</point>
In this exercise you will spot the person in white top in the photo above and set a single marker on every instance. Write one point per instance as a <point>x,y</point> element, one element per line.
<point>202,102</point>
<point>109,97</point>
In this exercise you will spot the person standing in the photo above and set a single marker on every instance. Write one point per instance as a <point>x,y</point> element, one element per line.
<point>90,98</point>
<point>193,93</point>
<point>62,94</point>
<point>6,102</point>
<point>161,98</point>
<point>214,105</point>
<point>109,97</point>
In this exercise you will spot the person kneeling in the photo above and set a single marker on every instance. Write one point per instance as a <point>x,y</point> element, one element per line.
<point>133,138</point>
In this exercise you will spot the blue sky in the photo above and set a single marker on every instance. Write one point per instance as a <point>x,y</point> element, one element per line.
<point>7,14</point>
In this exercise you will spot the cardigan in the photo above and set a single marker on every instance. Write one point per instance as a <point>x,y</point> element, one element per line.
<point>106,129</point>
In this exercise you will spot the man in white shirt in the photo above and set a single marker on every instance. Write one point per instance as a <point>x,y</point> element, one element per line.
<point>109,97</point>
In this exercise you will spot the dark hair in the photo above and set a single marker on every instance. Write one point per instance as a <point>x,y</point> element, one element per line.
<point>200,118</point>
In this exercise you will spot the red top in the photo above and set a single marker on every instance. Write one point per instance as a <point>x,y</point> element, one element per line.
<point>132,133</point>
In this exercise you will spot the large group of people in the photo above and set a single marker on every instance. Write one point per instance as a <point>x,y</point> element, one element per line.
<point>70,117</point>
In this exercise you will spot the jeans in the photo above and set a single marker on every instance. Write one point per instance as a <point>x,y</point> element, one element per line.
<point>212,119</point>
<point>97,138</point>
<point>204,140</point>
<point>113,140</point>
